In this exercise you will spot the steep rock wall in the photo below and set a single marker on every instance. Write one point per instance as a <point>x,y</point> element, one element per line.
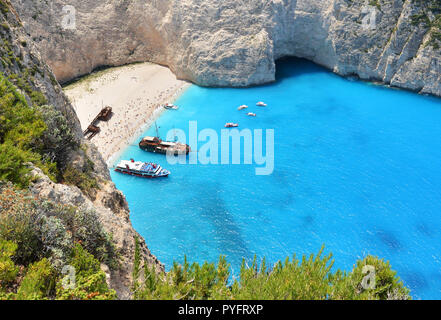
<point>235,42</point>
<point>20,61</point>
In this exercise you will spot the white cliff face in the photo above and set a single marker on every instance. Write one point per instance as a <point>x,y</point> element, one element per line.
<point>236,42</point>
<point>21,60</point>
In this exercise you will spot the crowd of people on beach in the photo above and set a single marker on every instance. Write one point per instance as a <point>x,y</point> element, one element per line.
<point>129,121</point>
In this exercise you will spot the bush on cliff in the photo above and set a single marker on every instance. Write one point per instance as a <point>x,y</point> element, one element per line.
<point>90,280</point>
<point>38,135</point>
<point>43,229</point>
<point>39,238</point>
<point>58,138</point>
<point>38,282</point>
<point>8,271</point>
<point>310,278</point>
<point>41,281</point>
<point>21,132</point>
<point>83,179</point>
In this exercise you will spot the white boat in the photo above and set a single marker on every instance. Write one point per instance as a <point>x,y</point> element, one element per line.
<point>261,104</point>
<point>242,107</point>
<point>141,169</point>
<point>170,106</point>
<point>251,114</point>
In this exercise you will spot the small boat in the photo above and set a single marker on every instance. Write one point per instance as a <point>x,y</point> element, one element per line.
<point>251,114</point>
<point>170,106</point>
<point>141,169</point>
<point>231,125</point>
<point>242,107</point>
<point>261,104</point>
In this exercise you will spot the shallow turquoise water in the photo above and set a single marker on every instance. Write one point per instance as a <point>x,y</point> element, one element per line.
<point>357,168</point>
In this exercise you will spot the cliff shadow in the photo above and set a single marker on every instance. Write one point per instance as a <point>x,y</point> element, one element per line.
<point>289,67</point>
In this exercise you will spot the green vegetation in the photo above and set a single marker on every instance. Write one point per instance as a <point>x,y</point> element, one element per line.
<point>41,281</point>
<point>38,238</point>
<point>4,7</point>
<point>430,18</point>
<point>39,135</point>
<point>21,132</point>
<point>38,282</point>
<point>43,229</point>
<point>310,278</point>
<point>8,271</point>
<point>375,3</point>
<point>83,179</point>
<point>136,266</point>
<point>90,280</point>
<point>58,137</point>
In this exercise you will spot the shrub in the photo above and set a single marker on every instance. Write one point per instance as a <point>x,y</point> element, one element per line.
<point>8,270</point>
<point>43,229</point>
<point>38,283</point>
<point>58,138</point>
<point>37,98</point>
<point>21,131</point>
<point>310,278</point>
<point>4,7</point>
<point>90,280</point>
<point>17,219</point>
<point>83,180</point>
<point>13,164</point>
<point>387,283</point>
<point>38,238</point>
<point>41,281</point>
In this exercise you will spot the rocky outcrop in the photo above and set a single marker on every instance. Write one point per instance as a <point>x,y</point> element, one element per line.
<point>236,42</point>
<point>112,211</point>
<point>21,63</point>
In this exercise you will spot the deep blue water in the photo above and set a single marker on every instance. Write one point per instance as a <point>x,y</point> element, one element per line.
<point>357,168</point>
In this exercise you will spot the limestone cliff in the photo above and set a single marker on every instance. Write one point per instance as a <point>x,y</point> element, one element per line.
<point>236,42</point>
<point>21,63</point>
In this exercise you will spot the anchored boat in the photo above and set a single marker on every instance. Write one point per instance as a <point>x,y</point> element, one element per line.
<point>156,145</point>
<point>170,106</point>
<point>142,169</point>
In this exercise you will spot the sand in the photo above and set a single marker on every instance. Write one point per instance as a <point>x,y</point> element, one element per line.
<point>136,94</point>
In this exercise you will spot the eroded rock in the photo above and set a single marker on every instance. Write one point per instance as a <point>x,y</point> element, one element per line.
<point>235,43</point>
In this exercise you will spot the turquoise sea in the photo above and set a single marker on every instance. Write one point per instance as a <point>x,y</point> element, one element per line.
<point>357,168</point>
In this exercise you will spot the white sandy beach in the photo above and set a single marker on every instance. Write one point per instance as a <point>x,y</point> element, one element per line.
<point>135,93</point>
